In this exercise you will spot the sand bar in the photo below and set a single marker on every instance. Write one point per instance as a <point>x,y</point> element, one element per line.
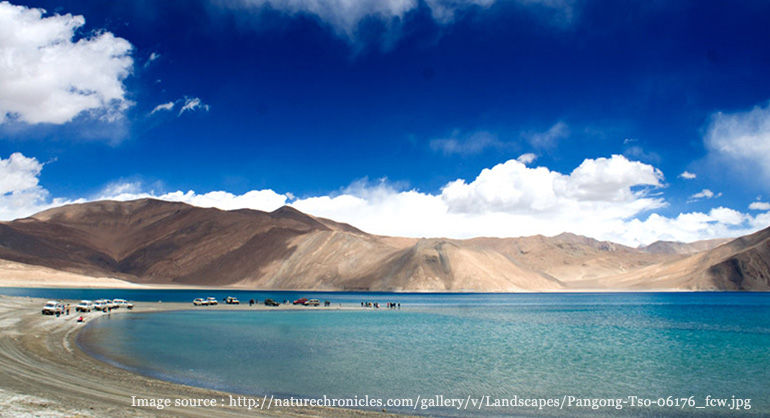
<point>44,374</point>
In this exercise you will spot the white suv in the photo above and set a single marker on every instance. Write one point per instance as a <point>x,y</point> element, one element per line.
<point>122,303</point>
<point>84,306</point>
<point>53,307</point>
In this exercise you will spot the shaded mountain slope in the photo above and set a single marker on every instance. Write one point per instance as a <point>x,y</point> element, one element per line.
<point>741,264</point>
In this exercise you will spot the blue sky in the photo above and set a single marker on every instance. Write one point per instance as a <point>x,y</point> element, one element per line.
<point>627,121</point>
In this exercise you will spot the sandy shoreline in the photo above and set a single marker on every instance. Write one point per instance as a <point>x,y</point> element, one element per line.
<point>44,373</point>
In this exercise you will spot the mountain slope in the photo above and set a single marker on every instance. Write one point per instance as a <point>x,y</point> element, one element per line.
<point>673,247</point>
<point>742,264</point>
<point>150,241</point>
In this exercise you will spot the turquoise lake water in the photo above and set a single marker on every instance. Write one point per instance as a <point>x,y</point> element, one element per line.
<point>532,346</point>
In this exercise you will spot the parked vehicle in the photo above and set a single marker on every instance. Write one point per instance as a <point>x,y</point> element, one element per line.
<point>300,301</point>
<point>101,305</point>
<point>270,302</point>
<point>313,302</point>
<point>212,301</point>
<point>84,306</point>
<point>122,303</point>
<point>53,307</point>
<point>232,301</point>
<point>200,302</point>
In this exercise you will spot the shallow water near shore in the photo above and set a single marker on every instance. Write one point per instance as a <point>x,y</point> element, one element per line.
<point>536,346</point>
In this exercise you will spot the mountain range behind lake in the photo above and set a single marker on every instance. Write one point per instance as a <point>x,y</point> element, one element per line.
<point>167,243</point>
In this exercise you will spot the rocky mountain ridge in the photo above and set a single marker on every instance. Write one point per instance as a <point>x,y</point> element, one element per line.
<point>159,242</point>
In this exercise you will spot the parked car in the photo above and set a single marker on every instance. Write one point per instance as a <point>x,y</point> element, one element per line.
<point>313,302</point>
<point>200,302</point>
<point>300,301</point>
<point>84,306</point>
<point>212,301</point>
<point>101,305</point>
<point>232,301</point>
<point>122,303</point>
<point>53,307</point>
<point>270,302</point>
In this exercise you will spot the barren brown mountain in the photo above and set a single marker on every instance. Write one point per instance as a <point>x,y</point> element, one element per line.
<point>151,241</point>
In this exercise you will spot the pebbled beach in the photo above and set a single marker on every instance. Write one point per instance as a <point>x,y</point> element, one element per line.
<point>44,373</point>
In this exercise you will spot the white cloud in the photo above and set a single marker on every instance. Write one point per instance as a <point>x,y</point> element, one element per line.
<point>694,226</point>
<point>687,175</point>
<point>192,104</point>
<point>472,144</point>
<point>638,153</point>
<point>266,200</point>
<point>164,106</point>
<point>345,16</point>
<point>600,187</point>
<point>47,75</point>
<point>152,58</point>
<point>603,198</point>
<point>188,104</point>
<point>527,158</point>
<point>742,140</point>
<point>20,193</point>
<point>531,205</point>
<point>705,194</point>
<point>549,138</point>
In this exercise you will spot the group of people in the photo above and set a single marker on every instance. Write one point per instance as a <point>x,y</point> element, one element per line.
<point>376,305</point>
<point>65,310</point>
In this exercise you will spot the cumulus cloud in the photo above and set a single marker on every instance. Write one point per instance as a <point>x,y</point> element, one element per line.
<point>48,75</point>
<point>20,193</point>
<point>603,184</point>
<point>192,104</point>
<point>512,200</point>
<point>694,226</point>
<point>266,200</point>
<point>687,175</point>
<point>741,140</point>
<point>604,198</point>
<point>471,144</point>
